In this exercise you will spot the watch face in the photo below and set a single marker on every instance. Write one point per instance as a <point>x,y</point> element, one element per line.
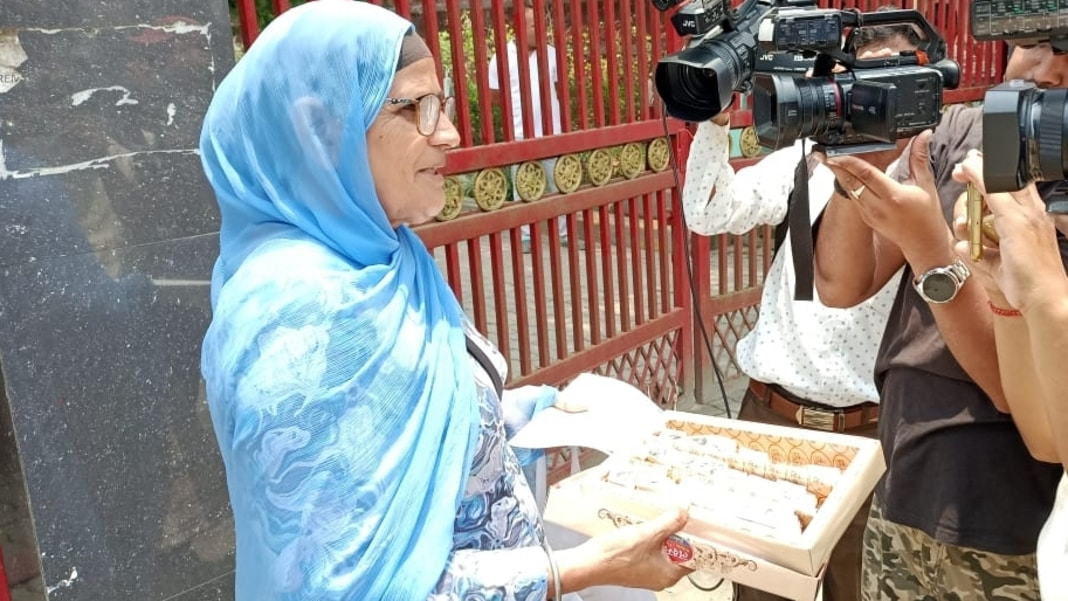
<point>939,287</point>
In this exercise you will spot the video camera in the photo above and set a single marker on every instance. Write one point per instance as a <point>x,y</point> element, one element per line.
<point>1024,128</point>
<point>699,81</point>
<point>846,104</point>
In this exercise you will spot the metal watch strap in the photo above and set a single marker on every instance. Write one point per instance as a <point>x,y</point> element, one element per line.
<point>957,271</point>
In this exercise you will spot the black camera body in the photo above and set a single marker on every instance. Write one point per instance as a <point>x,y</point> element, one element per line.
<point>767,46</point>
<point>1026,21</point>
<point>698,18</point>
<point>863,110</point>
<point>1024,128</point>
<point>699,81</point>
<point>869,104</point>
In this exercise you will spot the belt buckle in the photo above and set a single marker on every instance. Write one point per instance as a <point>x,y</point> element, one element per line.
<point>817,419</point>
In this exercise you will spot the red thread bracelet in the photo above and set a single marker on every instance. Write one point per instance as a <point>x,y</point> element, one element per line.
<point>1003,312</point>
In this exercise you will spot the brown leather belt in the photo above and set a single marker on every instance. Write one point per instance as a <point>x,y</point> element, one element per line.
<point>813,416</point>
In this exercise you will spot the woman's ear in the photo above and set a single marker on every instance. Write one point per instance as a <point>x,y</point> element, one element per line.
<point>318,132</point>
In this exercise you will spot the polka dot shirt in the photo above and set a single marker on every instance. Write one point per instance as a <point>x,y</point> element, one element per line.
<point>819,353</point>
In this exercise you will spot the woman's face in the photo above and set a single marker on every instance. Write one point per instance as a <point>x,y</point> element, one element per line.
<point>406,165</point>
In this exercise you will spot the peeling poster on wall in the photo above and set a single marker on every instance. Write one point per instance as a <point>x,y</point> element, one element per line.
<point>11,56</point>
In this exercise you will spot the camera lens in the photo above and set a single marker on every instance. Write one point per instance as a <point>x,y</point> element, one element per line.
<point>1024,134</point>
<point>698,82</point>
<point>786,108</point>
<point>1045,132</point>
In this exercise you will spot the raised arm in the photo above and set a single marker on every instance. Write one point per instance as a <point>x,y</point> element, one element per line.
<point>911,216</point>
<point>1026,271</point>
<point>717,200</point>
<point>1046,312</point>
<point>854,259</point>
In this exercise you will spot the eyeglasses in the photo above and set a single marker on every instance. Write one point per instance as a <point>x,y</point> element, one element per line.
<point>428,110</point>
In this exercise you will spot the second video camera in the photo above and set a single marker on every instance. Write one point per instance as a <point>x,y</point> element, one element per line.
<point>848,104</point>
<point>1024,128</point>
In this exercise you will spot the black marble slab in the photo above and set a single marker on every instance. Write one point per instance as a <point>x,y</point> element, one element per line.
<point>220,589</point>
<point>86,95</point>
<point>140,199</point>
<point>101,363</point>
<point>113,483</point>
<point>88,14</point>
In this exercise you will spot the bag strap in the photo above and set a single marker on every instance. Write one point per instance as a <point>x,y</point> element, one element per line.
<point>799,225</point>
<point>487,365</point>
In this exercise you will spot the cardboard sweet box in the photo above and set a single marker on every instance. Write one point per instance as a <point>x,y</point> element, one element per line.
<point>767,503</point>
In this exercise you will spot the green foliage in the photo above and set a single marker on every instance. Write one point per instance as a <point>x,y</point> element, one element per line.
<point>589,57</point>
<point>264,12</point>
<point>639,88</point>
<point>470,83</point>
<point>585,54</point>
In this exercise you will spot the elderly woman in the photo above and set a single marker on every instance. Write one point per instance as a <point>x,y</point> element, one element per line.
<point>357,411</point>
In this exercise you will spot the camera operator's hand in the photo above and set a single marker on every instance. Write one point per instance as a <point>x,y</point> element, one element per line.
<point>1026,263</point>
<point>909,215</point>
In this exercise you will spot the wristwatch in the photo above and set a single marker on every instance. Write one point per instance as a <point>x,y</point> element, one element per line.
<point>941,284</point>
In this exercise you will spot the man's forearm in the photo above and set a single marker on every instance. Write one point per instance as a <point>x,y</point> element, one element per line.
<point>1048,326</point>
<point>704,168</point>
<point>966,322</point>
<point>1022,386</point>
<point>844,255</point>
<point>717,200</point>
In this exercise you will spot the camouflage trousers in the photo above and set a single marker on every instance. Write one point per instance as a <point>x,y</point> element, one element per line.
<point>905,564</point>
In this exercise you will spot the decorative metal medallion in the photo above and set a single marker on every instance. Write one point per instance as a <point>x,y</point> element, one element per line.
<point>599,166</point>
<point>567,173</point>
<point>631,160</point>
<point>659,154</point>
<point>749,143</point>
<point>454,200</point>
<point>530,181</point>
<point>491,189</point>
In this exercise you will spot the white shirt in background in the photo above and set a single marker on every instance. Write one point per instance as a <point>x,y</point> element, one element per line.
<point>816,352</point>
<point>535,89</point>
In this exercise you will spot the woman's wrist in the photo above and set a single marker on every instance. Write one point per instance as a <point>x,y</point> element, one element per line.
<point>997,298</point>
<point>932,251</point>
<point>578,569</point>
<point>1046,302</point>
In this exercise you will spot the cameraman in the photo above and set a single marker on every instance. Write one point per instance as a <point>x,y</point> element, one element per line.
<point>1024,277</point>
<point>958,512</point>
<point>789,355</point>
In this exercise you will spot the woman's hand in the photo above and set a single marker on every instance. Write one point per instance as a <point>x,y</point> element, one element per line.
<point>632,556</point>
<point>1026,265</point>
<point>909,215</point>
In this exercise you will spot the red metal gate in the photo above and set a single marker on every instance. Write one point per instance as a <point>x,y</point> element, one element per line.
<point>617,298</point>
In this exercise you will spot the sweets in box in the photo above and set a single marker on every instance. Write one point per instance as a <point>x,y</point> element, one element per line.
<point>757,493</point>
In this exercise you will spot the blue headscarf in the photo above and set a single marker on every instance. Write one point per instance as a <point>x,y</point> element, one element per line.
<point>339,385</point>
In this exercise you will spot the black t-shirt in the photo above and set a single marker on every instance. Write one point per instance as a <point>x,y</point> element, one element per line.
<point>957,468</point>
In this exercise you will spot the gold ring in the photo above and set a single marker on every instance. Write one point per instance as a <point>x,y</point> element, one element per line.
<point>856,193</point>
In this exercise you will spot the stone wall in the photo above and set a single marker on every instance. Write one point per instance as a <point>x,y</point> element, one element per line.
<point>110,476</point>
